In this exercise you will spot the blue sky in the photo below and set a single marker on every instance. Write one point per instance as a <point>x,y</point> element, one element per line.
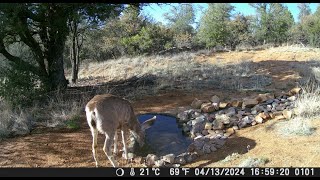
<point>156,11</point>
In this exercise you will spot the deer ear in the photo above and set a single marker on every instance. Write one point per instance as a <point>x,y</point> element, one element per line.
<point>148,123</point>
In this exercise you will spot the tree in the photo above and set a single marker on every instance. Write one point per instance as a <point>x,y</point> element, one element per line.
<point>213,29</point>
<point>240,31</point>
<point>272,23</point>
<point>43,27</point>
<point>181,18</point>
<point>304,10</point>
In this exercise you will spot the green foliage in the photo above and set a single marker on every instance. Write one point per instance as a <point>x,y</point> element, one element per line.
<point>273,22</point>
<point>73,122</point>
<point>213,29</point>
<point>240,31</point>
<point>304,10</point>
<point>181,18</point>
<point>311,27</point>
<point>18,86</point>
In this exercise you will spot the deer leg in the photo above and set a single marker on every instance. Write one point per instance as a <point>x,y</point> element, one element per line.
<point>124,138</point>
<point>115,147</point>
<point>94,145</point>
<point>107,149</point>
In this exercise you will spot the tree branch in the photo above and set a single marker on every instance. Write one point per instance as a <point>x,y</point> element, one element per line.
<point>19,61</point>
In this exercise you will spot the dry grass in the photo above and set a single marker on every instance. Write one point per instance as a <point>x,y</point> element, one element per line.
<point>13,122</point>
<point>59,111</point>
<point>254,162</point>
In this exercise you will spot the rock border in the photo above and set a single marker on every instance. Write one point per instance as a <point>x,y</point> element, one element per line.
<point>211,122</point>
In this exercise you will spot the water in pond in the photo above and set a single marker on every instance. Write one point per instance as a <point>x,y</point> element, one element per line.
<point>164,136</point>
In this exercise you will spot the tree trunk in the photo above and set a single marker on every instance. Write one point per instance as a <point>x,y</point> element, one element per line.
<point>75,52</point>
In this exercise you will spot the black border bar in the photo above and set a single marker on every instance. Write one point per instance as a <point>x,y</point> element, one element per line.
<point>162,172</point>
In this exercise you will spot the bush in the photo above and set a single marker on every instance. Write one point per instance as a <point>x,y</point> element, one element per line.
<point>18,87</point>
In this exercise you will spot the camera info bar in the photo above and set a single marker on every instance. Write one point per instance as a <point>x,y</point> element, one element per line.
<point>162,172</point>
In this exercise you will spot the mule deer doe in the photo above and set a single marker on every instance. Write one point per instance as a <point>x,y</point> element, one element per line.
<point>108,113</point>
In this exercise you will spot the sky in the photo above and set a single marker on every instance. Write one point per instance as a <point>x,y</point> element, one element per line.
<point>156,11</point>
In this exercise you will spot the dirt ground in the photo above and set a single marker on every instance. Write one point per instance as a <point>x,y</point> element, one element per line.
<point>68,148</point>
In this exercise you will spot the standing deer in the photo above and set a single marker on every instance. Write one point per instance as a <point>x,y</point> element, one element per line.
<point>108,113</point>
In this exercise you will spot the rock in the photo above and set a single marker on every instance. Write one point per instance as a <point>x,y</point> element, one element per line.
<point>219,142</point>
<point>223,105</point>
<point>183,116</point>
<point>206,148</point>
<point>279,117</point>
<point>254,112</point>
<point>287,114</point>
<point>280,108</point>
<point>236,103</point>
<point>235,127</point>
<point>130,155</point>
<point>204,132</point>
<point>196,103</point>
<point>185,128</point>
<point>191,147</point>
<point>249,103</point>
<point>247,120</point>
<point>269,101</point>
<point>295,91</point>
<point>269,107</point>
<point>241,112</point>
<point>207,107</point>
<point>159,163</point>
<point>292,98</point>
<point>264,97</point>
<point>211,132</point>
<point>217,124</point>
<point>231,111</point>
<point>192,157</point>
<point>138,160</point>
<point>275,104</point>
<point>215,99</point>
<point>242,124</point>
<point>180,159</point>
<point>213,148</point>
<point>264,115</point>
<point>169,158</point>
<point>253,123</point>
<point>258,119</point>
<point>151,159</point>
<point>219,132</point>
<point>229,132</point>
<point>208,126</point>
<point>199,119</point>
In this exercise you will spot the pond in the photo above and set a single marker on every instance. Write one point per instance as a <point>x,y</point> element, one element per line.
<point>165,136</point>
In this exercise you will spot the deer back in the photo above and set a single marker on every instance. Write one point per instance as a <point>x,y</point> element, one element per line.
<point>112,112</point>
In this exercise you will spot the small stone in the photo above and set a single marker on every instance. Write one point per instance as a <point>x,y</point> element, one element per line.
<point>159,163</point>
<point>196,103</point>
<point>208,126</point>
<point>204,132</point>
<point>292,98</point>
<point>249,103</point>
<point>258,119</point>
<point>295,91</point>
<point>223,105</point>
<point>236,103</point>
<point>215,99</point>
<point>150,159</point>
<point>169,158</point>
<point>287,114</point>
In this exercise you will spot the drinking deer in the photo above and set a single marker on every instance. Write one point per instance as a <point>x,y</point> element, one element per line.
<point>108,113</point>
